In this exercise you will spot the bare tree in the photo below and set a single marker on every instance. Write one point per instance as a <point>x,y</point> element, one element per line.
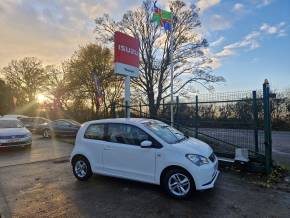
<point>190,59</point>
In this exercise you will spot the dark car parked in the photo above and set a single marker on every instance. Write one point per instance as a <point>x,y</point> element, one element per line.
<point>61,127</point>
<point>33,123</point>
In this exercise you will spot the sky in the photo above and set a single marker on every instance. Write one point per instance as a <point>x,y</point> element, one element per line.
<point>249,39</point>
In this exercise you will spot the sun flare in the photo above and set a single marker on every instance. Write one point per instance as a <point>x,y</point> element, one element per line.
<point>40,98</point>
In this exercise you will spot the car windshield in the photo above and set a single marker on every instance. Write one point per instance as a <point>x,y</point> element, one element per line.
<point>10,124</point>
<point>165,132</point>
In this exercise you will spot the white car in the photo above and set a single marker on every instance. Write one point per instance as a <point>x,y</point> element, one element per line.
<point>13,133</point>
<point>144,150</point>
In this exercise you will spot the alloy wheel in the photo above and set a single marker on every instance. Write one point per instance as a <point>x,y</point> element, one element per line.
<point>46,133</point>
<point>81,168</point>
<point>179,184</point>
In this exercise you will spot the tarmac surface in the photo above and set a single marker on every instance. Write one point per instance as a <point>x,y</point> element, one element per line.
<point>36,182</point>
<point>49,189</point>
<point>245,138</point>
<point>41,149</point>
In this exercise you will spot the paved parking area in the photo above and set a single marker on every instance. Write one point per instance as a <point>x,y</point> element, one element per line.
<point>38,182</point>
<point>41,149</point>
<point>48,189</point>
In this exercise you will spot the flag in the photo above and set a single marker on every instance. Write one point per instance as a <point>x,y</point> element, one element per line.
<point>98,89</point>
<point>162,17</point>
<point>156,14</point>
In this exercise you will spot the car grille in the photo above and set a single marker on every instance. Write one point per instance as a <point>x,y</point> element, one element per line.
<point>13,137</point>
<point>212,157</point>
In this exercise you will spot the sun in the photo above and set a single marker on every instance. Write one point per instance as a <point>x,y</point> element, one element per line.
<point>40,98</point>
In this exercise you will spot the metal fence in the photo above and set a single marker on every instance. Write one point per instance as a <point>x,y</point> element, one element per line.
<point>226,121</point>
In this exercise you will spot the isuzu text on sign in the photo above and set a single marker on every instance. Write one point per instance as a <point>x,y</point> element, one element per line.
<point>126,55</point>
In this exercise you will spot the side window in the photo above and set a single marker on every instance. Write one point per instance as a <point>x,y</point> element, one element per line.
<point>53,123</point>
<point>137,135</point>
<point>57,123</point>
<point>95,131</point>
<point>61,123</point>
<point>126,134</point>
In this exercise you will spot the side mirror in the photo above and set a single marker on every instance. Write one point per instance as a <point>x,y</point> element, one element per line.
<point>146,144</point>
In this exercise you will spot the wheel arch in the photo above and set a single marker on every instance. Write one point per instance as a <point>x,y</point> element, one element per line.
<point>75,156</point>
<point>171,167</point>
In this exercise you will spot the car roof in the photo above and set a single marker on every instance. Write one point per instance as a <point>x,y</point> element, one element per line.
<point>8,118</point>
<point>124,120</point>
<point>14,116</point>
<point>68,120</point>
<point>34,118</point>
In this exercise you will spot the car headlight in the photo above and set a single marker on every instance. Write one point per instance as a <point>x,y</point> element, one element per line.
<point>197,159</point>
<point>28,135</point>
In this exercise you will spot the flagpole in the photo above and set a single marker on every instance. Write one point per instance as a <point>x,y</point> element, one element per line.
<point>158,16</point>
<point>171,78</point>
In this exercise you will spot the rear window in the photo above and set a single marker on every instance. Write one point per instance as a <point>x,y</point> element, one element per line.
<point>95,131</point>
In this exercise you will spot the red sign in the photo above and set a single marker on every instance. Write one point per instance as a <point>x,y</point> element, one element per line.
<point>126,51</point>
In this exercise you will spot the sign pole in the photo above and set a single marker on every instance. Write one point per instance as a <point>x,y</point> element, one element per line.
<point>127,96</point>
<point>171,79</point>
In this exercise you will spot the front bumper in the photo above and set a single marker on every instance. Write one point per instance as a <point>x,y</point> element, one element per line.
<point>211,183</point>
<point>206,176</point>
<point>19,143</point>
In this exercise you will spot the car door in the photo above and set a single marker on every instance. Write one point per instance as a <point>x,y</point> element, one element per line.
<point>94,145</point>
<point>57,127</point>
<point>66,128</point>
<point>124,157</point>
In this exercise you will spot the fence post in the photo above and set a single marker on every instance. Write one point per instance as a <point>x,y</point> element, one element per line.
<point>196,116</point>
<point>267,126</point>
<point>113,109</point>
<point>177,111</point>
<point>140,109</point>
<point>256,122</point>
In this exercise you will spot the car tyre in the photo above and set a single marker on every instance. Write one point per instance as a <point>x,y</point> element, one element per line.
<point>178,183</point>
<point>81,168</point>
<point>46,133</point>
<point>28,146</point>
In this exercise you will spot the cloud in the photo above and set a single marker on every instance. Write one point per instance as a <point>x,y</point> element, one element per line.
<point>206,4</point>
<point>217,42</point>
<point>50,29</point>
<point>225,53</point>
<point>218,22</point>
<point>249,42</point>
<point>278,29</point>
<point>263,3</point>
<point>238,7</point>
<point>253,40</point>
<point>269,29</point>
